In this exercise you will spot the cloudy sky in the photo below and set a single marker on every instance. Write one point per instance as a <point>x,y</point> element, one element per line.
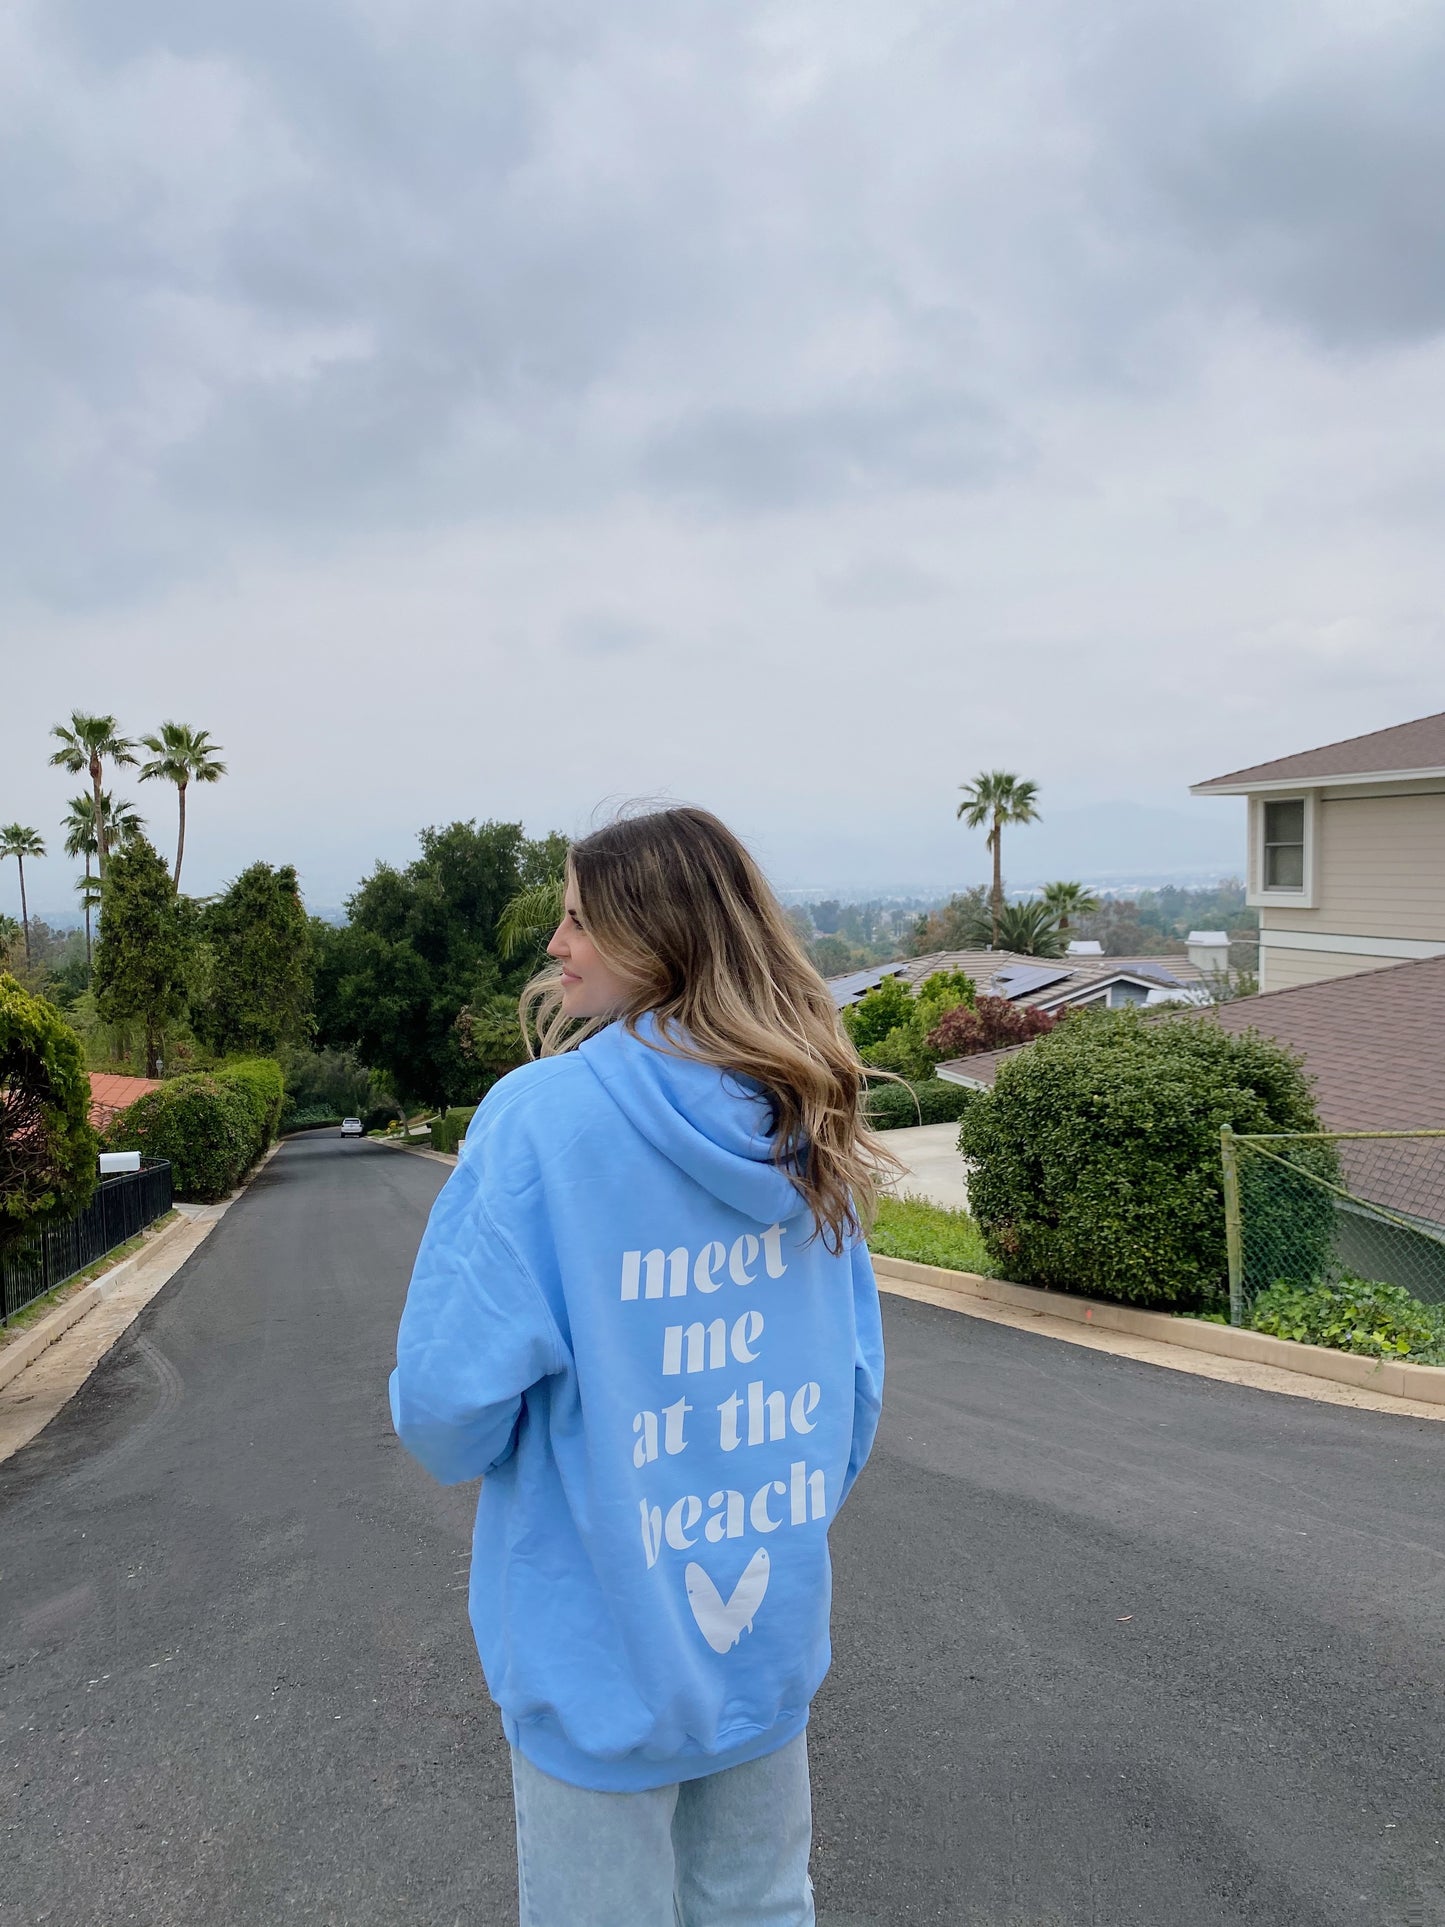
<point>464,408</point>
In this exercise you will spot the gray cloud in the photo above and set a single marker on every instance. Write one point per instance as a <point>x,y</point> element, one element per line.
<point>357,265</point>
<point>1067,377</point>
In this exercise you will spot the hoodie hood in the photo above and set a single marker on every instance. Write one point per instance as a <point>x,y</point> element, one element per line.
<point>712,1124</point>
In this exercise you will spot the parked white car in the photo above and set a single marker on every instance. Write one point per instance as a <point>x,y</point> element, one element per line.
<point>351,1127</point>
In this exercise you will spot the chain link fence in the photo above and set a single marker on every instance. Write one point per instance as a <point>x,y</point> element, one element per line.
<point>1313,1208</point>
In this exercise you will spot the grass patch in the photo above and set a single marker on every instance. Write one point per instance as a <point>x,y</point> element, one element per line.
<point>22,1320</point>
<point>928,1234</point>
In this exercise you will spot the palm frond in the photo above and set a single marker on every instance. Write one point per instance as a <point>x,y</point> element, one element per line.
<point>532,914</point>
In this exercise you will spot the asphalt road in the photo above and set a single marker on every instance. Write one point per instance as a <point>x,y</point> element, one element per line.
<point>1113,1644</point>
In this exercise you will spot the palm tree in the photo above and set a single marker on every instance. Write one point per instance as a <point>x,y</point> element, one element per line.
<point>18,841</point>
<point>530,915</point>
<point>1028,929</point>
<point>1069,900</point>
<point>84,746</point>
<point>996,797</point>
<point>121,824</point>
<point>182,756</point>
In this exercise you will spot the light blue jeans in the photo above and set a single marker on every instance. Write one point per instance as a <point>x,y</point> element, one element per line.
<point>728,1850</point>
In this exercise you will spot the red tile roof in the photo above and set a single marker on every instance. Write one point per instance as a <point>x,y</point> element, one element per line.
<point>1406,749</point>
<point>109,1094</point>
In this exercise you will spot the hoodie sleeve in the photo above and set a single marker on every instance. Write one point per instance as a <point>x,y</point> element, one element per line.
<point>475,1334</point>
<point>867,1364</point>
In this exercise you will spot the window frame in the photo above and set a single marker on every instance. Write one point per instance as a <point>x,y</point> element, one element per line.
<point>1304,898</point>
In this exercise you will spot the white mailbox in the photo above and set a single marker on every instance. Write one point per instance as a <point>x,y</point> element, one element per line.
<point>112,1163</point>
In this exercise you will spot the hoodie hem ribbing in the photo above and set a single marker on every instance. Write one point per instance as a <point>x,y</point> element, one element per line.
<point>540,1743</point>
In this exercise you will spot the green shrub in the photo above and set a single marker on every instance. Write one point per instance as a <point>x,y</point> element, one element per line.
<point>448,1130</point>
<point>1354,1315</point>
<point>47,1147</point>
<point>879,1011</point>
<point>903,1051</point>
<point>928,1234</point>
<point>1095,1157</point>
<point>206,1124</point>
<point>310,1119</point>
<point>944,991</point>
<point>264,1088</point>
<point>929,1100</point>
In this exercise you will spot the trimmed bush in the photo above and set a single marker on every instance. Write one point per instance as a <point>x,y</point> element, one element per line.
<point>1095,1158</point>
<point>311,1119</point>
<point>265,1090</point>
<point>448,1130</point>
<point>204,1123</point>
<point>931,1100</point>
<point>1354,1315</point>
<point>47,1147</point>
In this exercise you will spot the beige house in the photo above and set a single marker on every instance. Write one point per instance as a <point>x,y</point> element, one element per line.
<point>1346,861</point>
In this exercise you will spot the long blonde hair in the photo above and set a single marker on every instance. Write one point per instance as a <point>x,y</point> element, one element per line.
<point>677,906</point>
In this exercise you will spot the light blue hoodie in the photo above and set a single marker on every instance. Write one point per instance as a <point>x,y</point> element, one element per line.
<point>619,1315</point>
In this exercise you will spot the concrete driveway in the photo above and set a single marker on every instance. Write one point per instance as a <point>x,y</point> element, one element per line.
<point>935,1170</point>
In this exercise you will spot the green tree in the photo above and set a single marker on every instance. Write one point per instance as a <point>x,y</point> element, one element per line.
<point>420,945</point>
<point>1067,900</point>
<point>18,841</point>
<point>182,755</point>
<point>259,990</point>
<point>996,797</point>
<point>47,1147</point>
<point>121,824</point>
<point>144,950</point>
<point>85,746</point>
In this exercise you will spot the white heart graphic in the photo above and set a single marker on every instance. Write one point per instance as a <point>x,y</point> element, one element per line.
<point>722,1626</point>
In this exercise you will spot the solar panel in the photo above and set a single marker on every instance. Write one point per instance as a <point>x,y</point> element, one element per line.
<point>847,990</point>
<point>1021,980</point>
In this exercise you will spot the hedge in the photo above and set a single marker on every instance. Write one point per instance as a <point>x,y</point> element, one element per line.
<point>929,1100</point>
<point>47,1146</point>
<point>311,1119</point>
<point>212,1126</point>
<point>265,1087</point>
<point>448,1130</point>
<point>1095,1163</point>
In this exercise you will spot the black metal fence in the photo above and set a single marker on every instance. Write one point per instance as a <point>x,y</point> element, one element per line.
<point>121,1207</point>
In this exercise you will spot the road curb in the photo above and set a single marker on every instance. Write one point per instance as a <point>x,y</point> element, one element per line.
<point>55,1324</point>
<point>1425,1383</point>
<point>418,1151</point>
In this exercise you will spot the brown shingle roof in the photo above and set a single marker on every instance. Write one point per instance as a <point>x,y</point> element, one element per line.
<point>1413,749</point>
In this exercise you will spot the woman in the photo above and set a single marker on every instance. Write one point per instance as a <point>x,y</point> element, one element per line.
<point>643,1311</point>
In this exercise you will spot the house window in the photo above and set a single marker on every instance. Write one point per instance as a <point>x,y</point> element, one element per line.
<point>1284,845</point>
